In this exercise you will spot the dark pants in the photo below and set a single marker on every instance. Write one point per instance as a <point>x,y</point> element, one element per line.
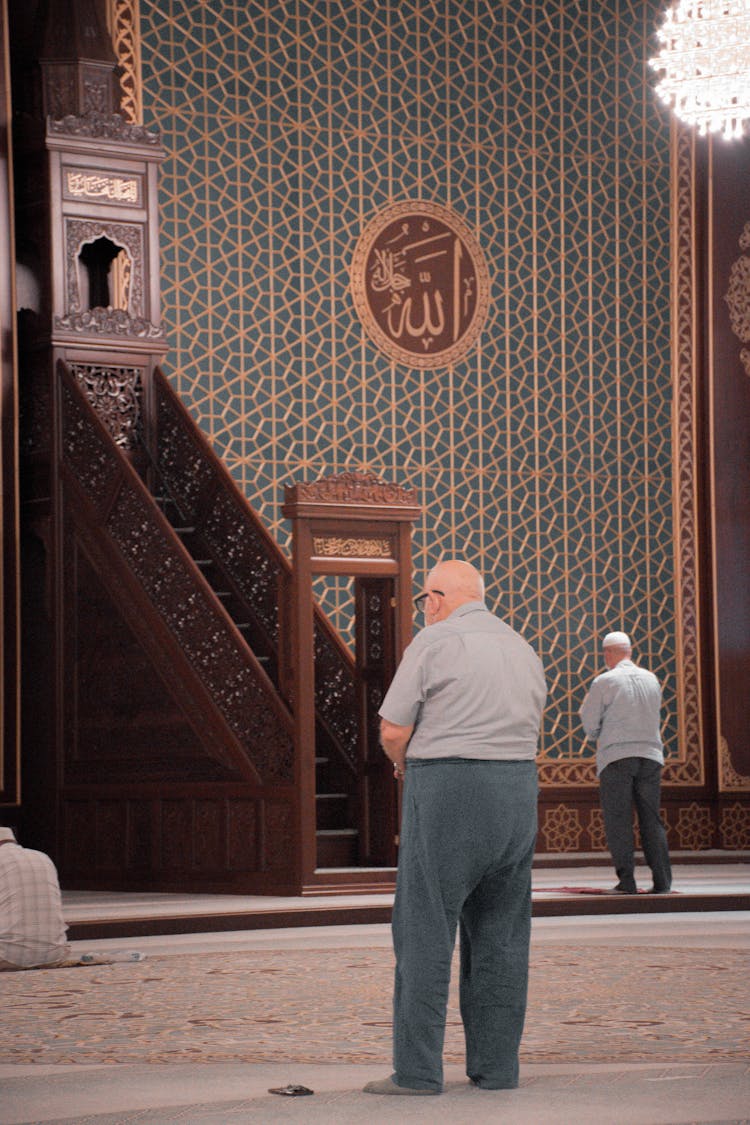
<point>623,784</point>
<point>467,842</point>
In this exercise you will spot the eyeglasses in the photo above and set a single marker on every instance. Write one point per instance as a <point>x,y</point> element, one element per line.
<point>421,598</point>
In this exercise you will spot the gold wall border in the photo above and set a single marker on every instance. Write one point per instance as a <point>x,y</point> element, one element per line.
<point>689,767</point>
<point>123,22</point>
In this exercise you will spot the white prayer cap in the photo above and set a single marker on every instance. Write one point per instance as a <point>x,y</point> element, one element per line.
<point>618,640</point>
<point>7,834</point>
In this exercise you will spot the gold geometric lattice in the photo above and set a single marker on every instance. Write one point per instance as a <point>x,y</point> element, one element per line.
<point>694,828</point>
<point>734,825</point>
<point>562,829</point>
<point>336,594</point>
<point>547,455</point>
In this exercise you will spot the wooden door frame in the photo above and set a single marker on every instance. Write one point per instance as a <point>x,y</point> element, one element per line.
<point>354,525</point>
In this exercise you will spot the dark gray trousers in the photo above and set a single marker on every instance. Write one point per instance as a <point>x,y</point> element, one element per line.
<point>467,842</point>
<point>623,784</point>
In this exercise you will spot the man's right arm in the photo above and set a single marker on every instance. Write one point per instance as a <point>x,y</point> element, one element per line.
<point>399,711</point>
<point>394,739</point>
<point>592,712</point>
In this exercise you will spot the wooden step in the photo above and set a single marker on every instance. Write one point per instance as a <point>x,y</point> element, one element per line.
<point>337,847</point>
<point>331,810</point>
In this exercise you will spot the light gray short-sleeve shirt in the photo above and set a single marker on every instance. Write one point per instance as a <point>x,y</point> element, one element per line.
<point>622,712</point>
<point>471,687</point>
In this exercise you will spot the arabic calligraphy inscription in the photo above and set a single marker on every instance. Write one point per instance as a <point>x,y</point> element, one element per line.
<point>420,284</point>
<point>333,547</point>
<point>86,184</point>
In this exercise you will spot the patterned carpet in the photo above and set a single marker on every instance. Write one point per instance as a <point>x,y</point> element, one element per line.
<point>628,1004</point>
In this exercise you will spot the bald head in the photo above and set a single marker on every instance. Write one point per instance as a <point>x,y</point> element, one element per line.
<point>458,582</point>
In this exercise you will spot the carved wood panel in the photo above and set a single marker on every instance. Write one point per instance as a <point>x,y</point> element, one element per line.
<point>129,236</point>
<point>249,558</point>
<point>116,394</point>
<point>129,717</point>
<point>176,590</point>
<point>185,841</point>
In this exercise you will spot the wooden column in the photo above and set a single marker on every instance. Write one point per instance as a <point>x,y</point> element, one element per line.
<point>9,571</point>
<point>728,499</point>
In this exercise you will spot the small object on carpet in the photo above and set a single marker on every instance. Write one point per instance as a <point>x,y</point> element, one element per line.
<point>291,1091</point>
<point>116,955</point>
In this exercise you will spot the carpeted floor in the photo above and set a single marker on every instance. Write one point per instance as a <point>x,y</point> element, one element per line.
<point>628,1004</point>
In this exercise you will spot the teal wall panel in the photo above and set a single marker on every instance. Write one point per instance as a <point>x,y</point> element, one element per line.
<point>545,455</point>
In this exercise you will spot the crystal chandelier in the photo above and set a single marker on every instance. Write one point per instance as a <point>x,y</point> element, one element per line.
<point>705,55</point>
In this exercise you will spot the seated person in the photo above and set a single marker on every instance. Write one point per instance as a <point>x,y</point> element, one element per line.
<point>32,930</point>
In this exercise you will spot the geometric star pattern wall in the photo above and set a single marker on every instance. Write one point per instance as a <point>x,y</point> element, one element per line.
<point>545,455</point>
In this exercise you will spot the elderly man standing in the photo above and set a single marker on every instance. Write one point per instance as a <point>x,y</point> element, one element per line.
<point>32,929</point>
<point>460,722</point>
<point>622,712</point>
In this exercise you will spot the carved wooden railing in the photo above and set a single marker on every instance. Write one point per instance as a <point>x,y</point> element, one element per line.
<point>252,566</point>
<point>254,733</point>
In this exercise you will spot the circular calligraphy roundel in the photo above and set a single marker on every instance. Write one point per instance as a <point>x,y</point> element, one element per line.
<point>420,284</point>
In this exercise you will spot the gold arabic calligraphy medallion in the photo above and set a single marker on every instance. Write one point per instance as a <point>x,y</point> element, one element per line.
<point>420,284</point>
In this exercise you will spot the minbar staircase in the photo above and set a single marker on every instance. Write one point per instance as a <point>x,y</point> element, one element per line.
<point>336,834</point>
<point>204,592</point>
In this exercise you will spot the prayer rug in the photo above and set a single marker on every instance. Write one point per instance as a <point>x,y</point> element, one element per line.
<point>595,1004</point>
